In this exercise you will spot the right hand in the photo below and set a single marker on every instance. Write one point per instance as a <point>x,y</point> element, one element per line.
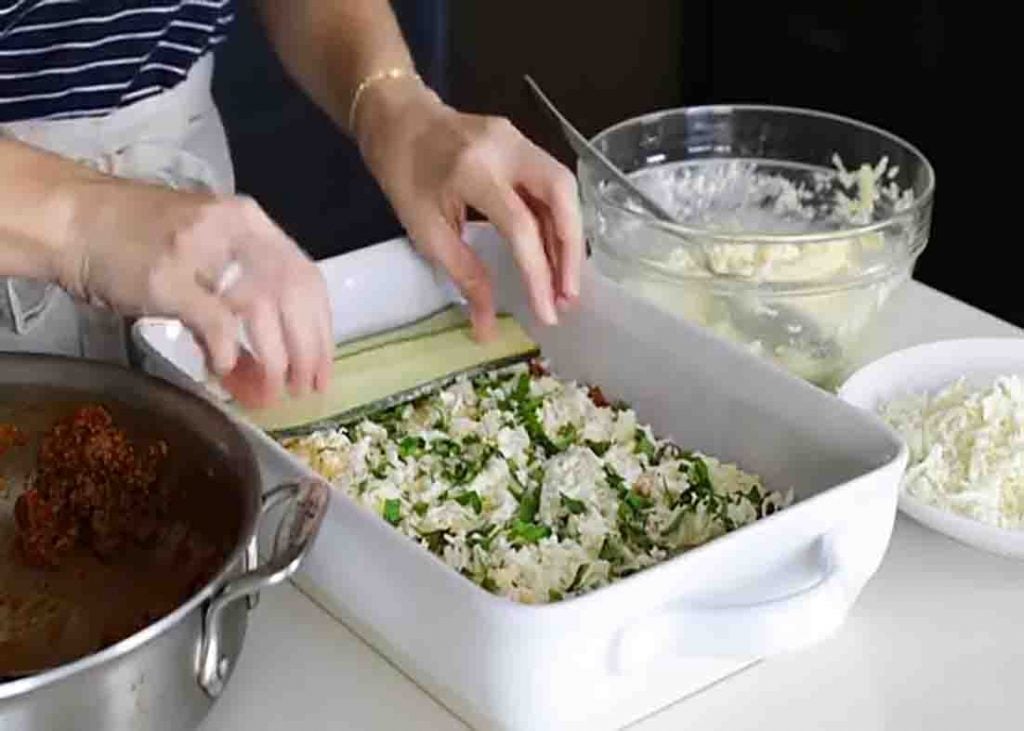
<point>434,163</point>
<point>147,250</point>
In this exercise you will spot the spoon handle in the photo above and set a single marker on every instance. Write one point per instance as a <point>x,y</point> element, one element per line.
<point>582,147</point>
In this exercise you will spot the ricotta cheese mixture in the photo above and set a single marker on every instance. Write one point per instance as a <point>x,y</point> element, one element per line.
<point>752,197</point>
<point>966,449</point>
<point>535,488</point>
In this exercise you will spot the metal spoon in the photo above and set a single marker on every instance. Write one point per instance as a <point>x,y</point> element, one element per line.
<point>582,147</point>
<point>776,330</point>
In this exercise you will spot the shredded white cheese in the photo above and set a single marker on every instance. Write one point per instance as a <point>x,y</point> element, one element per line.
<point>534,488</point>
<point>966,449</point>
<point>752,197</point>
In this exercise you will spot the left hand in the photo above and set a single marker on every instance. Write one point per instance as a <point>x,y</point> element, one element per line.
<point>434,162</point>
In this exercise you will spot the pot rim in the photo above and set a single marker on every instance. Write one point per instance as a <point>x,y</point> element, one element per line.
<point>250,476</point>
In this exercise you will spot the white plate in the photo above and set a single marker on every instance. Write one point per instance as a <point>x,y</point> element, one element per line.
<point>928,368</point>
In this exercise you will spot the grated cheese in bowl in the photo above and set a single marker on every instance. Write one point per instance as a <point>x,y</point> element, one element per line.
<point>966,449</point>
<point>535,488</point>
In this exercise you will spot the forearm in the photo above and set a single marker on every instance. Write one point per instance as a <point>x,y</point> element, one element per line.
<point>36,209</point>
<point>329,46</point>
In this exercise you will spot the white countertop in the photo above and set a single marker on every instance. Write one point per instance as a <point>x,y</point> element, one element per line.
<point>936,640</point>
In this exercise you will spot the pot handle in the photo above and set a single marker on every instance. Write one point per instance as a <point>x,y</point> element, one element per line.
<point>305,504</point>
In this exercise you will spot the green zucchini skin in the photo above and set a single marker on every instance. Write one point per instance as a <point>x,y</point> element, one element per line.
<point>387,369</point>
<point>361,412</point>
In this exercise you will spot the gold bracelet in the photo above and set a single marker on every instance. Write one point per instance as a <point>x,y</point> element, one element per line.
<point>367,82</point>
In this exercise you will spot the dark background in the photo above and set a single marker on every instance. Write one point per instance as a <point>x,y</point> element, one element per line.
<point>905,65</point>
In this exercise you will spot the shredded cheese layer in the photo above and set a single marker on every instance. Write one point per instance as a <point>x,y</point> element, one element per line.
<point>966,449</point>
<point>532,487</point>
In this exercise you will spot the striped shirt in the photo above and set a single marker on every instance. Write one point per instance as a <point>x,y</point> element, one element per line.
<point>61,59</point>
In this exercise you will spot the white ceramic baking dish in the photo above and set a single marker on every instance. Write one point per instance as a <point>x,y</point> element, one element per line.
<point>612,656</point>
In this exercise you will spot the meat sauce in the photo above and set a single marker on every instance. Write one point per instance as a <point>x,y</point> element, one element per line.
<point>93,488</point>
<point>105,540</point>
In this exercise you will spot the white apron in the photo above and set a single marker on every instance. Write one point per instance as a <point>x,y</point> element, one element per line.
<point>175,138</point>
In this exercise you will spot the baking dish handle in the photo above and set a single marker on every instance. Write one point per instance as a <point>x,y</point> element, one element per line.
<point>304,505</point>
<point>746,631</point>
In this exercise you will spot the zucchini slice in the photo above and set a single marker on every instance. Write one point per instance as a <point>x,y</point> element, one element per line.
<point>386,369</point>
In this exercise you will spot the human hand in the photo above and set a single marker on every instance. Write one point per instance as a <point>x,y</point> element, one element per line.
<point>146,250</point>
<point>434,162</point>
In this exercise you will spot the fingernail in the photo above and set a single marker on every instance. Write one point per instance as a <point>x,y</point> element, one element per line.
<point>483,324</point>
<point>550,315</point>
<point>222,367</point>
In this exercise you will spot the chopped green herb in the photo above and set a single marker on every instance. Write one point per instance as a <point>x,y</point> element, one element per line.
<point>488,584</point>
<point>472,499</point>
<point>615,482</point>
<point>455,474</point>
<point>527,410</point>
<point>389,420</point>
<point>577,580</point>
<point>610,550</point>
<point>643,445</point>
<point>411,446</point>
<point>555,596</point>
<point>392,511</point>
<point>699,476</point>
<point>667,451</point>
<point>482,536</point>
<point>528,413</point>
<point>528,506</point>
<point>756,498</point>
<point>444,447</point>
<point>567,436</point>
<point>599,448</point>
<point>435,540</point>
<point>522,390</point>
<point>523,533</point>
<point>420,508</point>
<point>573,506</point>
<point>634,533</point>
<point>637,501</point>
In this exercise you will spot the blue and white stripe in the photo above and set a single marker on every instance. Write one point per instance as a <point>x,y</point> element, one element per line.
<point>74,58</point>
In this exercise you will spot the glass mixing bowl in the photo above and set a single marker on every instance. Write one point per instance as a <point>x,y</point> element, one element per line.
<point>793,229</point>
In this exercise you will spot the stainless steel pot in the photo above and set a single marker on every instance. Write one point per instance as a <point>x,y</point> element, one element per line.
<point>168,675</point>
